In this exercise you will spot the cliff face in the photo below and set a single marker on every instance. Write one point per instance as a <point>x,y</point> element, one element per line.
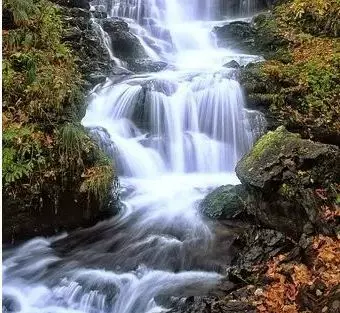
<point>54,175</point>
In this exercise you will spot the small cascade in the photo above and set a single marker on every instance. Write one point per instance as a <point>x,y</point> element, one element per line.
<point>189,124</point>
<point>106,42</point>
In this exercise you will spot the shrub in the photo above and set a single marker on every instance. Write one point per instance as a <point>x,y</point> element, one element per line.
<point>318,17</point>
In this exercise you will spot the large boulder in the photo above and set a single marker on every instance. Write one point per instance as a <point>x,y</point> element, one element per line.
<point>146,65</point>
<point>235,34</point>
<point>283,175</point>
<point>260,36</point>
<point>124,43</point>
<point>225,202</point>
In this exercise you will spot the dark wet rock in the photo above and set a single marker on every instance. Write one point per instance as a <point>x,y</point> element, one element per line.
<point>76,13</point>
<point>252,246</point>
<point>60,208</point>
<point>166,87</point>
<point>80,33</point>
<point>142,110</point>
<point>103,138</point>
<point>257,122</point>
<point>96,78</point>
<point>257,245</point>
<point>99,15</point>
<point>124,43</point>
<point>115,24</point>
<point>224,202</point>
<point>235,31</point>
<point>229,300</point>
<point>72,34</point>
<point>281,174</point>
<point>127,47</point>
<point>233,307</point>
<point>146,65</point>
<point>279,154</point>
<point>261,36</point>
<point>232,64</point>
<point>207,305</point>
<point>256,86</point>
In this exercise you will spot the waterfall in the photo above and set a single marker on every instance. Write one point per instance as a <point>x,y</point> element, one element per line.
<point>248,7</point>
<point>192,125</point>
<point>175,135</point>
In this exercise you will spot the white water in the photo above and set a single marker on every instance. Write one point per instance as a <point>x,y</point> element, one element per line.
<point>176,135</point>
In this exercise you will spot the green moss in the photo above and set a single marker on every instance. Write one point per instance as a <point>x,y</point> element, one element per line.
<point>22,9</point>
<point>224,202</point>
<point>287,191</point>
<point>268,143</point>
<point>268,40</point>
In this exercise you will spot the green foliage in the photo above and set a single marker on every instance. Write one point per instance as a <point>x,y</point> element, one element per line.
<point>39,70</point>
<point>305,90</point>
<point>287,191</point>
<point>73,144</point>
<point>22,153</point>
<point>44,144</point>
<point>268,41</point>
<point>97,181</point>
<point>318,17</point>
<point>21,9</point>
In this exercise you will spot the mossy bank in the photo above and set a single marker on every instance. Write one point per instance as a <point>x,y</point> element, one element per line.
<point>54,175</point>
<point>298,84</point>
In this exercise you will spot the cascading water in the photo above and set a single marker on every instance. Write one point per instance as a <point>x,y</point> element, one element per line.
<point>175,135</point>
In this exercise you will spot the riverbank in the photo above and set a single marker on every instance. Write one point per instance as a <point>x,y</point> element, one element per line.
<point>284,263</point>
<point>55,177</point>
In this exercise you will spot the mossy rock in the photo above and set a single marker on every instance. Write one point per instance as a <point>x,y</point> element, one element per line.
<point>259,37</point>
<point>223,203</point>
<point>274,153</point>
<point>281,175</point>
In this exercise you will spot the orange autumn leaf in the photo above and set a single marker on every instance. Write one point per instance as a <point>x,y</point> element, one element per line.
<point>292,308</point>
<point>301,275</point>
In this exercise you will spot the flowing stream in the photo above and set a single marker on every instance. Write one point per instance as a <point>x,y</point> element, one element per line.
<point>175,135</point>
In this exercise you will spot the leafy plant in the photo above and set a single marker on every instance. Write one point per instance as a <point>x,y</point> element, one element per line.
<point>73,142</point>
<point>317,17</point>
<point>22,10</point>
<point>97,181</point>
<point>22,153</point>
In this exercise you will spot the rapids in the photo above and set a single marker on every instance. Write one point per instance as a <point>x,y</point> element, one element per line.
<point>175,135</point>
